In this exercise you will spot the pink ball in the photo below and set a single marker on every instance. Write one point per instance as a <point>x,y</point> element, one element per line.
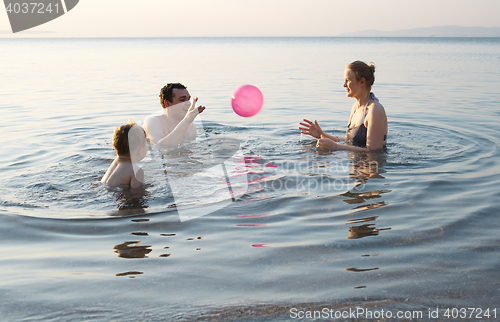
<point>247,101</point>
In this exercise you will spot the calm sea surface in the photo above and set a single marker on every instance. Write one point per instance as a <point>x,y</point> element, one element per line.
<point>414,228</point>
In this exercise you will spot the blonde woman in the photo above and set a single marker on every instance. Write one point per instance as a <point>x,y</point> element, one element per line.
<point>367,127</point>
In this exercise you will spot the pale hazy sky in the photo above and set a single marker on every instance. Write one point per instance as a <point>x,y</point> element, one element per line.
<point>191,18</point>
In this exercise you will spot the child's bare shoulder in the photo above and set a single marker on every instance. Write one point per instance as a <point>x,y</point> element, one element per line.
<point>119,173</point>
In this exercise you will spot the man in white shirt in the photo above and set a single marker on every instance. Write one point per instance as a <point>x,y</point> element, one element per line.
<point>175,124</point>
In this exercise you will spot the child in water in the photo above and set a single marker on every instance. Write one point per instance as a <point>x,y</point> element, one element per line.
<point>129,141</point>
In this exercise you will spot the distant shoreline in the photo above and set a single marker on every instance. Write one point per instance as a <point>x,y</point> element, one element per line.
<point>432,32</point>
<point>428,32</point>
<point>249,38</point>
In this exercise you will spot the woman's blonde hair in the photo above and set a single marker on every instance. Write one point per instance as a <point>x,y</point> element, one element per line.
<point>363,70</point>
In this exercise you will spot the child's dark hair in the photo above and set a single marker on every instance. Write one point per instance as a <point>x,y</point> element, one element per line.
<point>120,139</point>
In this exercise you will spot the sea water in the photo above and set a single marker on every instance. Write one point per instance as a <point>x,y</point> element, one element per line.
<point>413,228</point>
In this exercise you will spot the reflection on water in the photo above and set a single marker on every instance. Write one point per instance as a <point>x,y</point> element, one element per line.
<point>140,233</point>
<point>130,274</point>
<point>140,220</point>
<point>193,238</point>
<point>354,269</point>
<point>129,201</point>
<point>370,206</point>
<point>365,230</point>
<point>363,196</point>
<point>367,165</point>
<point>134,250</point>
<point>130,249</point>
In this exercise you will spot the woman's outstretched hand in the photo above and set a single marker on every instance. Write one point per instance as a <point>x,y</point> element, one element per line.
<point>310,128</point>
<point>326,144</point>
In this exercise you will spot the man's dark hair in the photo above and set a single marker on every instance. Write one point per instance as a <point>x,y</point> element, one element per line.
<point>166,92</point>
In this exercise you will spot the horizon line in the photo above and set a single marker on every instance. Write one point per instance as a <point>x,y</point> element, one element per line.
<point>179,37</point>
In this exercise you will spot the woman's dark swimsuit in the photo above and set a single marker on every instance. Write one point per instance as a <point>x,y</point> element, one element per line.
<point>359,139</point>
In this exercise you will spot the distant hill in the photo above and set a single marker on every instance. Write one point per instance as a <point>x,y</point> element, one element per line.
<point>440,31</point>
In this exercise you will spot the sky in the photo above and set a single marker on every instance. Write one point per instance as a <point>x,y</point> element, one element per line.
<point>249,18</point>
